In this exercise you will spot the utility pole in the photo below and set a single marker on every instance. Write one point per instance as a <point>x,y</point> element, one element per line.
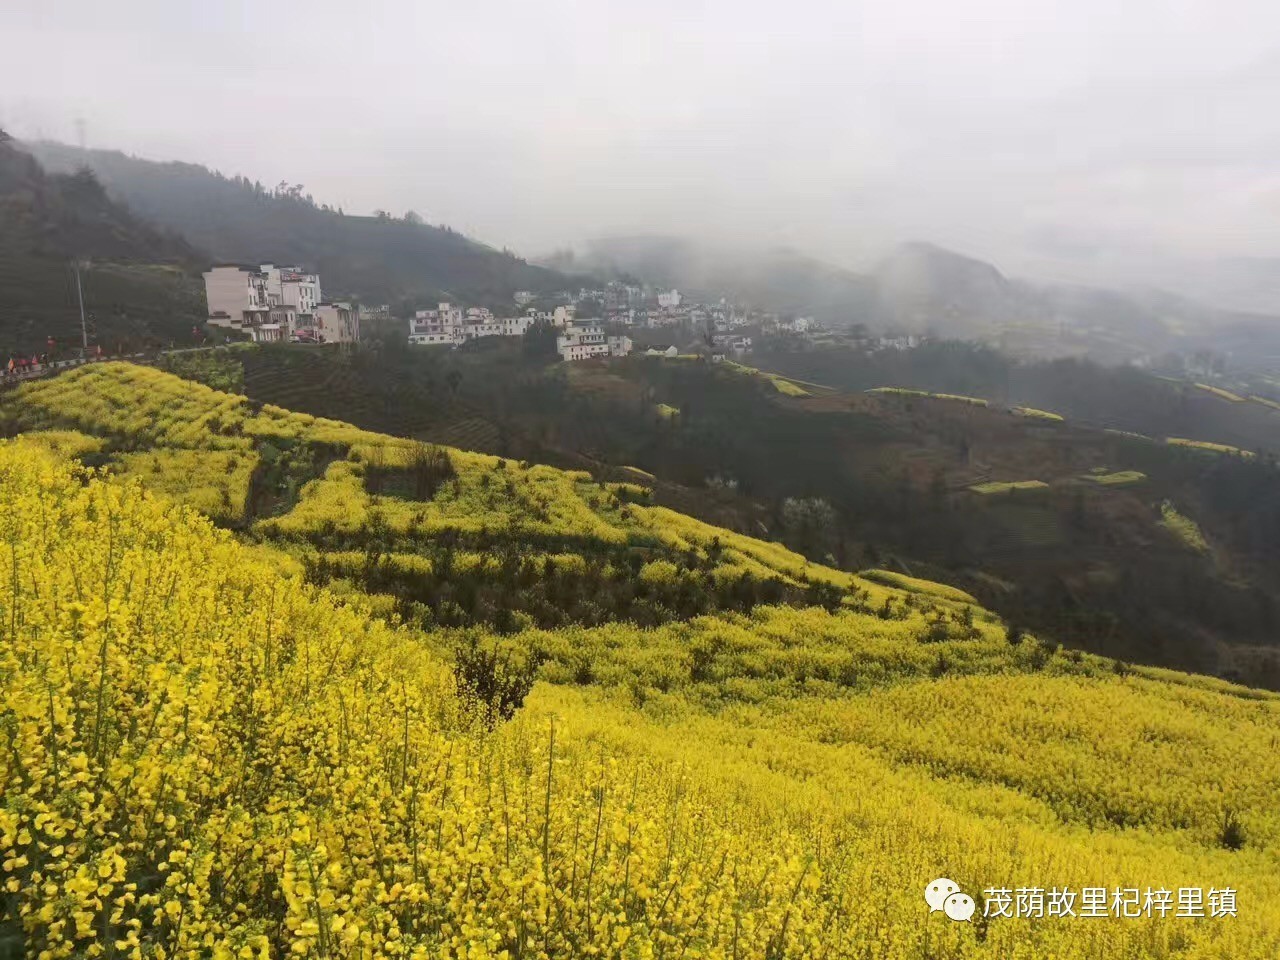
<point>84,329</point>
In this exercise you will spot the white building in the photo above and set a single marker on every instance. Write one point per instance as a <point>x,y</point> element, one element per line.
<point>516,326</point>
<point>797,325</point>
<point>563,316</point>
<point>451,326</point>
<point>291,286</point>
<point>435,339</point>
<point>474,329</point>
<point>524,297</point>
<point>581,341</point>
<point>237,298</point>
<point>445,317</point>
<point>270,303</point>
<point>669,299</point>
<point>337,322</point>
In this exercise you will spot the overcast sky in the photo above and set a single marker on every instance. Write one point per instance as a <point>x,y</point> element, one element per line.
<point>1063,136</point>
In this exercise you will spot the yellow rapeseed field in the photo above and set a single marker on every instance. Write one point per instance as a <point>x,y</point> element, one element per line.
<point>204,755</point>
<point>206,759</point>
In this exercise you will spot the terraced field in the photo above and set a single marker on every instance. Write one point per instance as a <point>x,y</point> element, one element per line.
<point>330,387</point>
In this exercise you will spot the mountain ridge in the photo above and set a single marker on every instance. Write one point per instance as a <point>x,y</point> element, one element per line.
<point>139,281</point>
<point>374,259</point>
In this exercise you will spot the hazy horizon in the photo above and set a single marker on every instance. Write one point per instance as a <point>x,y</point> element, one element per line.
<point>1071,140</point>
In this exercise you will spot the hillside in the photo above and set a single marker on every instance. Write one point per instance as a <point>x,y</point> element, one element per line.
<point>1124,398</point>
<point>139,282</point>
<point>208,754</point>
<point>375,260</point>
<point>443,535</point>
<point>1091,564</point>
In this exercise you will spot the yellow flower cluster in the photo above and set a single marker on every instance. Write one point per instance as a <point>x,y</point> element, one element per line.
<point>214,482</point>
<point>1182,527</point>
<point>1208,446</point>
<point>203,759</point>
<point>888,823</point>
<point>136,403</point>
<point>905,392</point>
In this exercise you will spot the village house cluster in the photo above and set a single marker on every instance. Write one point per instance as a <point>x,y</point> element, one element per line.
<point>448,325</point>
<point>276,303</point>
<point>719,330</point>
<point>272,303</point>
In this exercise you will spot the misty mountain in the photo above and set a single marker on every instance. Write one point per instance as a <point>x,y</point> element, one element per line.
<point>782,280</point>
<point>1238,283</point>
<point>924,288</point>
<point>375,259</point>
<point>139,282</point>
<point>920,287</point>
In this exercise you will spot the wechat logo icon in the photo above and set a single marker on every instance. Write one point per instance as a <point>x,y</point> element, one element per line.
<point>945,895</point>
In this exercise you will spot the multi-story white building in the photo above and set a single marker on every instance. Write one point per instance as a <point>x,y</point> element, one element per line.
<point>450,325</point>
<point>489,327</point>
<point>669,299</point>
<point>581,341</point>
<point>293,287</point>
<point>517,326</point>
<point>563,316</point>
<point>237,298</point>
<point>445,319</point>
<point>337,322</point>
<point>586,338</point>
<point>275,303</point>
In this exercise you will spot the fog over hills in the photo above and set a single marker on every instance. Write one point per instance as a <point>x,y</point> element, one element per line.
<point>1112,145</point>
<point>918,287</point>
<point>923,288</point>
